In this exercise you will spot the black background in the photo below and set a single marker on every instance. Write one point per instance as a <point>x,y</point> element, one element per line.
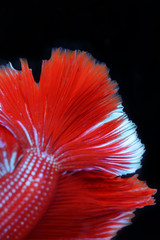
<point>124,35</point>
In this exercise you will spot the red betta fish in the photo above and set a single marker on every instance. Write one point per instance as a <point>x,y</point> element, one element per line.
<point>64,145</point>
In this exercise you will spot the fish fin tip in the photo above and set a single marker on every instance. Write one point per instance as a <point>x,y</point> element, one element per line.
<point>82,196</point>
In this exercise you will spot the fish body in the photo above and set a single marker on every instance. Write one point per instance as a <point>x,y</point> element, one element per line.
<point>25,194</point>
<point>64,145</point>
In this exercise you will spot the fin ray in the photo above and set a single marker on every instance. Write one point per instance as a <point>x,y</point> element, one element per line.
<point>90,205</point>
<point>17,89</point>
<point>75,113</point>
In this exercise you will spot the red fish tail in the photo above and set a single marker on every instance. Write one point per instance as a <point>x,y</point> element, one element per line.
<point>92,205</point>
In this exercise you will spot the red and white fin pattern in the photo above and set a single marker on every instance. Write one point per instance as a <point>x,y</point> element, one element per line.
<point>10,152</point>
<point>112,146</point>
<point>74,115</point>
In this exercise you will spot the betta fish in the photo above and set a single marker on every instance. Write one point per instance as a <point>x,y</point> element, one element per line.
<point>65,145</point>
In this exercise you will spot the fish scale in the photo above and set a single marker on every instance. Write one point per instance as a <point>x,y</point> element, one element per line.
<point>25,194</point>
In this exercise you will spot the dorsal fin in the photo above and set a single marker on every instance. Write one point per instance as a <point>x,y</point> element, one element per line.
<point>10,152</point>
<point>77,93</point>
<point>74,93</point>
<point>67,114</point>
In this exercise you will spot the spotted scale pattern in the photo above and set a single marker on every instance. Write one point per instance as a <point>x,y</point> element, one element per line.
<point>25,194</point>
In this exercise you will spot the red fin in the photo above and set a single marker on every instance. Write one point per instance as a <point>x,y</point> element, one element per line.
<point>61,116</point>
<point>73,95</point>
<point>77,94</point>
<point>92,205</point>
<point>18,92</point>
<point>84,125</point>
<point>10,152</point>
